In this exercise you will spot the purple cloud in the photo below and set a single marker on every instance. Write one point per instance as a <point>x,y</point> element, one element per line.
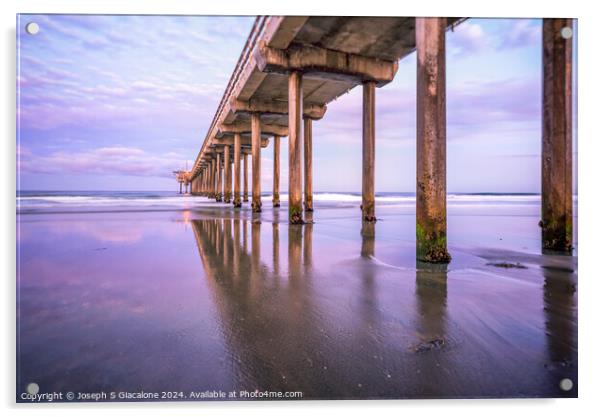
<point>115,160</point>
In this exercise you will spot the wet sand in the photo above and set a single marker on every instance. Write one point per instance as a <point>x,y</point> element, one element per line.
<point>213,299</point>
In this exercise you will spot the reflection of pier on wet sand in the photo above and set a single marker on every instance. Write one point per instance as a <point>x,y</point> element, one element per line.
<point>339,324</point>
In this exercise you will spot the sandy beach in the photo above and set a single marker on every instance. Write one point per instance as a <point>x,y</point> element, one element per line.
<point>197,297</point>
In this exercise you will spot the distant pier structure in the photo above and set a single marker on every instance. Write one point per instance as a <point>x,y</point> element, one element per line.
<point>291,67</point>
<point>184,179</point>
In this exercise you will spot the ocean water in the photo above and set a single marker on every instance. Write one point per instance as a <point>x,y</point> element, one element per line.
<point>51,201</point>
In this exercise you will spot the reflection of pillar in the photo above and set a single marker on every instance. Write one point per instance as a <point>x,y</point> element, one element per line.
<point>276,196</point>
<point>431,216</point>
<point>227,243</point>
<point>218,193</point>
<point>245,245</point>
<point>307,167</point>
<point>218,238</point>
<point>236,200</point>
<point>295,105</point>
<point>236,248</point>
<point>557,139</point>
<point>276,248</point>
<point>255,248</point>
<point>294,251</point>
<point>245,168</point>
<point>560,309</point>
<point>368,235</point>
<point>307,245</point>
<point>431,301</point>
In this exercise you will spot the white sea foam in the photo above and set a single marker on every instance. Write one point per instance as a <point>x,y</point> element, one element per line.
<point>106,200</point>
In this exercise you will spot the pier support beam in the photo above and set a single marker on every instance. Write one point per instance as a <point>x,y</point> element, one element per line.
<point>218,193</point>
<point>212,179</point>
<point>227,175</point>
<point>180,188</point>
<point>557,140</point>
<point>307,165</point>
<point>236,200</point>
<point>245,168</point>
<point>368,151</point>
<point>295,106</point>
<point>431,213</point>
<point>276,196</point>
<point>256,160</point>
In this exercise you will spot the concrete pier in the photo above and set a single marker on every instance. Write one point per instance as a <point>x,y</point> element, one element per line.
<point>557,139</point>
<point>307,165</point>
<point>218,194</point>
<point>256,161</point>
<point>236,201</point>
<point>329,56</point>
<point>295,103</point>
<point>227,175</point>
<point>276,176</point>
<point>368,151</point>
<point>431,214</point>
<point>245,167</point>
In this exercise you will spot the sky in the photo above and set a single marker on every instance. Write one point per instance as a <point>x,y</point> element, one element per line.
<point>119,102</point>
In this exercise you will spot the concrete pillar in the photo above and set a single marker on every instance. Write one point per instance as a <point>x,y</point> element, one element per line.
<point>368,151</point>
<point>211,193</point>
<point>209,180</point>
<point>227,175</point>
<point>557,139</point>
<point>276,196</point>
<point>295,108</point>
<point>431,215</point>
<point>236,200</point>
<point>307,165</point>
<point>218,193</point>
<point>256,160</point>
<point>245,195</point>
